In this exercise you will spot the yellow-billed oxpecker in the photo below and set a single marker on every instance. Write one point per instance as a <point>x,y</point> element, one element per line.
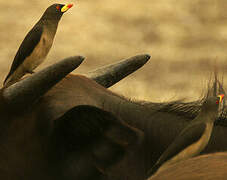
<point>192,139</point>
<point>36,44</point>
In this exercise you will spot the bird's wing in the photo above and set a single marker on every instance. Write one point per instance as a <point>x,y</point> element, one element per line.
<point>27,46</point>
<point>188,136</point>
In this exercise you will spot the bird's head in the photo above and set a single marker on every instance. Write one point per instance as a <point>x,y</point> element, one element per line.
<point>213,104</point>
<point>55,11</point>
<point>220,98</point>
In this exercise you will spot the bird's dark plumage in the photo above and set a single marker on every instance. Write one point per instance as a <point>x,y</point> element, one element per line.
<point>26,48</point>
<point>36,44</point>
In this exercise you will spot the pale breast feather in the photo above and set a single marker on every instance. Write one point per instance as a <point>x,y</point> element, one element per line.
<point>188,137</point>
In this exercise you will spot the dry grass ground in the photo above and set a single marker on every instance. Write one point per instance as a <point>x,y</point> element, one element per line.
<point>185,38</point>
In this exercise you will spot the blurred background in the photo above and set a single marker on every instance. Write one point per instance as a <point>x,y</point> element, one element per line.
<point>185,38</point>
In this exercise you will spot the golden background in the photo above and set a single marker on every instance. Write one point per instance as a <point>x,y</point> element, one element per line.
<point>185,39</point>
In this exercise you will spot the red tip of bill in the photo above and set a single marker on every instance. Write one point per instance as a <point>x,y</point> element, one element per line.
<point>221,96</point>
<point>70,5</point>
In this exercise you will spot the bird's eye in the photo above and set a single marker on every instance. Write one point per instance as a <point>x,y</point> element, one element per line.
<point>218,100</point>
<point>58,7</point>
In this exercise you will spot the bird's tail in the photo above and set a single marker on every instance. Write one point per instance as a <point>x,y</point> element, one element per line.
<point>12,78</point>
<point>6,79</point>
<point>153,170</point>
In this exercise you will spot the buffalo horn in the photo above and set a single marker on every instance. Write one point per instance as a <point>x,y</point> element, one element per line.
<point>111,74</point>
<point>30,89</point>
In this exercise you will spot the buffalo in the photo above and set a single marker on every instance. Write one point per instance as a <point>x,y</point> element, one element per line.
<point>56,125</point>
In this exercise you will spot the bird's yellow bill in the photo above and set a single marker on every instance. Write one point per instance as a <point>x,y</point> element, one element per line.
<point>66,7</point>
<point>221,96</point>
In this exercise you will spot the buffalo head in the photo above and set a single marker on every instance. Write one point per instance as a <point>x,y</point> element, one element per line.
<point>50,131</point>
<point>59,126</point>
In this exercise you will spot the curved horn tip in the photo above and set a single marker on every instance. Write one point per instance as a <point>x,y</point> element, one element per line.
<point>80,57</point>
<point>77,59</point>
<point>145,57</point>
<point>141,59</point>
<point>148,56</point>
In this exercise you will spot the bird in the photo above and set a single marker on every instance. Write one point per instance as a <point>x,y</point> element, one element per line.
<point>36,44</point>
<point>193,138</point>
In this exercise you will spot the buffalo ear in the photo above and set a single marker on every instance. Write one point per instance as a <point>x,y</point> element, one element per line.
<point>93,137</point>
